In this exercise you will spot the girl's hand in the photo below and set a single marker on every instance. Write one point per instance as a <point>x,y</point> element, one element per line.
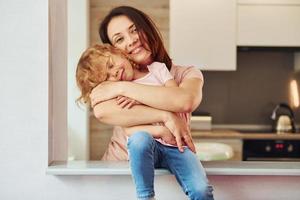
<point>126,102</point>
<point>180,131</point>
<point>104,91</point>
<point>167,136</point>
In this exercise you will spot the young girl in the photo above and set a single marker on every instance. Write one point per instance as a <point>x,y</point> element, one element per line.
<point>101,63</point>
<point>105,63</point>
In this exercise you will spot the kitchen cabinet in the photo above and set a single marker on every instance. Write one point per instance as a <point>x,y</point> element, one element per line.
<point>203,33</point>
<point>268,23</point>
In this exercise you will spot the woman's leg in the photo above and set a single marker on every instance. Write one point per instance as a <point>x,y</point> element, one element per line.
<point>189,173</point>
<point>142,155</point>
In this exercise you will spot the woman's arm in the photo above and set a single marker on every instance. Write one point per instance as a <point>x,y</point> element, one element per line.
<point>126,102</point>
<point>188,94</point>
<point>109,112</point>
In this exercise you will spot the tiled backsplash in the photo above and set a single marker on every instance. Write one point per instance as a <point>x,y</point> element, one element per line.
<point>248,95</point>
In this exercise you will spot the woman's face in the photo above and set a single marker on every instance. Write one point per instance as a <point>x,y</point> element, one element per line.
<point>123,35</point>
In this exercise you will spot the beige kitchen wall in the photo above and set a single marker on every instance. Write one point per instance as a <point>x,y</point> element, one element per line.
<point>158,10</point>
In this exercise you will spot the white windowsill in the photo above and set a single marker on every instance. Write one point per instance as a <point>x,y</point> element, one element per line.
<point>211,168</point>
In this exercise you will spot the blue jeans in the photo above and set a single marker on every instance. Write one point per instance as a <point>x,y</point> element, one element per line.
<point>146,154</point>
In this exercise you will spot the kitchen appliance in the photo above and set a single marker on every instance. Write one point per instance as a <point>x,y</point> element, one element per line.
<point>271,150</point>
<point>283,119</point>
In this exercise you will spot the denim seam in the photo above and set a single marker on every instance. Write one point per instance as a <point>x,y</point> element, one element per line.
<point>152,194</point>
<point>175,168</point>
<point>147,196</point>
<point>210,187</point>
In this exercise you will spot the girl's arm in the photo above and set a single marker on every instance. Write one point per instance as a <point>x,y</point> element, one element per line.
<point>109,112</point>
<point>155,130</point>
<point>184,98</point>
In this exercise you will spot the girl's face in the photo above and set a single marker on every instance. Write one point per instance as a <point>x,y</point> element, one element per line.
<point>119,69</point>
<point>123,35</point>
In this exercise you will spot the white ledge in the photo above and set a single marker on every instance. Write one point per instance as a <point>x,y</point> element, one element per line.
<point>211,168</point>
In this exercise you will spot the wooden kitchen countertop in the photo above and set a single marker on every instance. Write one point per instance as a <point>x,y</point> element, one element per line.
<point>232,134</point>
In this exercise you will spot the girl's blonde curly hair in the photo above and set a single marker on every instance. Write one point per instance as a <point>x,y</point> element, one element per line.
<point>92,68</point>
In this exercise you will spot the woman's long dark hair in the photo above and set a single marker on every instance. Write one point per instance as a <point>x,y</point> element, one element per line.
<point>144,25</point>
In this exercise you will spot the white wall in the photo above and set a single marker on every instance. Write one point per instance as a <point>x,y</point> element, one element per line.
<point>24,127</point>
<point>78,124</point>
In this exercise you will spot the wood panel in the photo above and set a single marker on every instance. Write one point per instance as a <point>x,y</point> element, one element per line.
<point>100,135</point>
<point>158,11</point>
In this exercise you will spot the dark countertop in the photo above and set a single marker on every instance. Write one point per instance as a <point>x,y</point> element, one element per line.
<point>233,134</point>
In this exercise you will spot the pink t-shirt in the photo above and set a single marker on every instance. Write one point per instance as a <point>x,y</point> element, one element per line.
<point>158,75</point>
<point>117,150</point>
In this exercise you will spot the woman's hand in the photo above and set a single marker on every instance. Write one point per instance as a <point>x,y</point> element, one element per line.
<point>180,131</point>
<point>167,136</point>
<point>126,102</point>
<point>104,91</point>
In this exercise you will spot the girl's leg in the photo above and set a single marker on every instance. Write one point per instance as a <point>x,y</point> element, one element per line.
<point>189,173</point>
<point>142,155</point>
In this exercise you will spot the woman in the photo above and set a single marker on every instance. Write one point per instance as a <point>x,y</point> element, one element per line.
<point>132,31</point>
